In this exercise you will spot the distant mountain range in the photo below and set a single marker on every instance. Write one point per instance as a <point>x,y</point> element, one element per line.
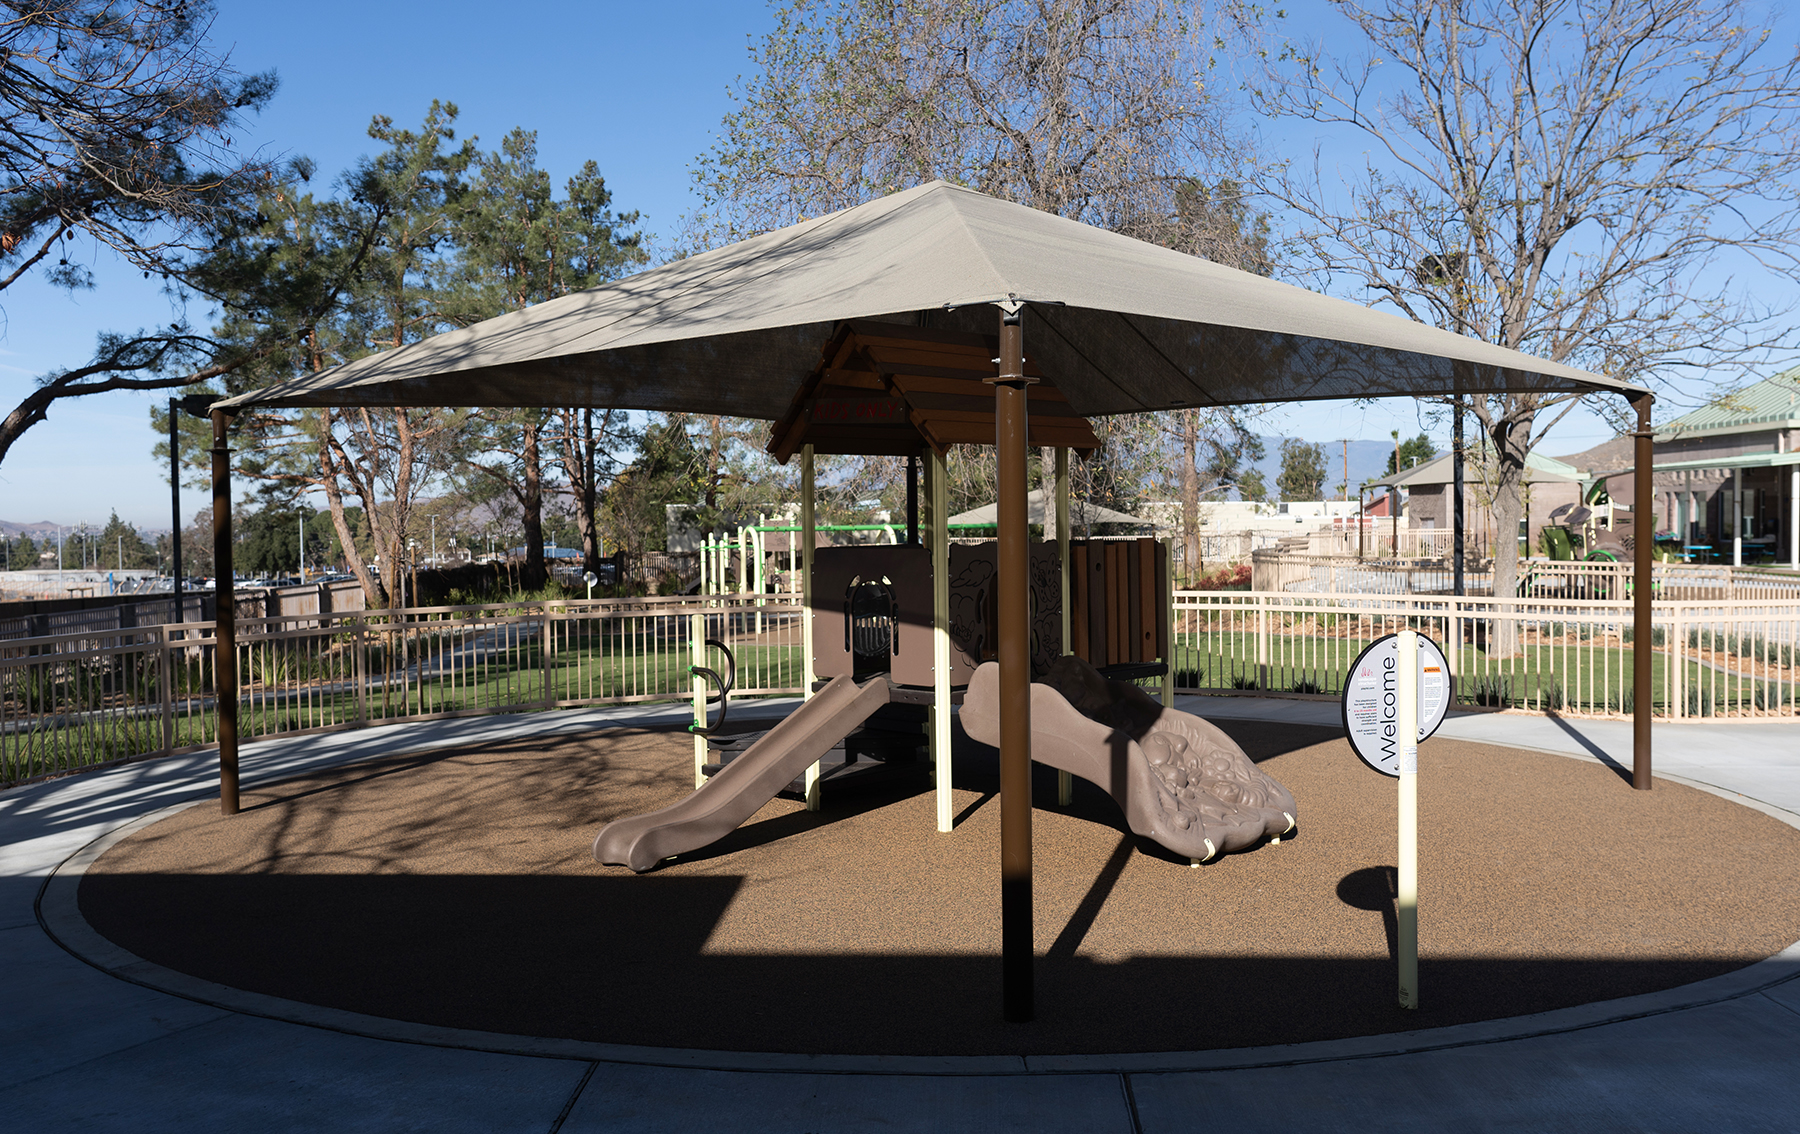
<point>12,529</point>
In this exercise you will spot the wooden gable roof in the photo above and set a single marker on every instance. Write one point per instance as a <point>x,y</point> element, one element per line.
<point>892,389</point>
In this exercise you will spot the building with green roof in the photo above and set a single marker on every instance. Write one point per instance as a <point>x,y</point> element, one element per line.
<point>1728,474</point>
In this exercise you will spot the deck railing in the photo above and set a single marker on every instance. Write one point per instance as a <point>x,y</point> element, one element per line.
<point>69,701</point>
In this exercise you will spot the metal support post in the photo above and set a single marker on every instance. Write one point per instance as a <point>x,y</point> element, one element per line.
<point>697,686</point>
<point>225,680</point>
<point>175,504</point>
<point>1168,615</point>
<point>938,494</point>
<point>1737,517</point>
<point>808,544</point>
<point>1065,783</point>
<point>1456,503</point>
<point>1406,902</point>
<point>1794,516</point>
<point>912,501</point>
<point>1013,582</point>
<point>1642,555</point>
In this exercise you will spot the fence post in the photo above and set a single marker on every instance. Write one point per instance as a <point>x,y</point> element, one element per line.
<point>547,649</point>
<point>1676,665</point>
<point>166,679</point>
<point>359,646</point>
<point>1262,644</point>
<point>697,684</point>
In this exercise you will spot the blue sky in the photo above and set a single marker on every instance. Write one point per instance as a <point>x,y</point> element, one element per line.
<point>639,88</point>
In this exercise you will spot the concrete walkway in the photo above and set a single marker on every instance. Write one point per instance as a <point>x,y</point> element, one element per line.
<point>90,1051</point>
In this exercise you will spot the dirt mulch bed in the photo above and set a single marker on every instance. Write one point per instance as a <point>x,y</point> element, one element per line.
<point>456,888</point>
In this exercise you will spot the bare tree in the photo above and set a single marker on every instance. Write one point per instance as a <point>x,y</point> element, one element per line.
<point>1090,109</point>
<point>1096,110</point>
<point>1574,180</point>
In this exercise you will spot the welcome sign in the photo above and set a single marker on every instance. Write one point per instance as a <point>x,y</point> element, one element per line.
<point>1371,701</point>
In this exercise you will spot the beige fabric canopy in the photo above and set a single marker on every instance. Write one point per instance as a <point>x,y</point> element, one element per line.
<point>1118,325</point>
<point>1039,508</point>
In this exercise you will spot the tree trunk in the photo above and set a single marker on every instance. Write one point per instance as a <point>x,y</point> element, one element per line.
<point>1509,437</point>
<point>531,506</point>
<point>581,455</point>
<point>374,598</point>
<point>715,459</point>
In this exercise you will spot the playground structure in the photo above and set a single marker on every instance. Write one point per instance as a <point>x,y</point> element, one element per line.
<point>1597,530</point>
<point>902,294</point>
<point>907,625</point>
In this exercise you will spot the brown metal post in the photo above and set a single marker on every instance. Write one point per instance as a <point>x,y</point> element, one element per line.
<point>225,684</point>
<point>1014,655</point>
<point>1643,534</point>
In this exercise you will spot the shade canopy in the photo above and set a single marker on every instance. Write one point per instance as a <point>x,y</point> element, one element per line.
<point>1120,326</point>
<point>1441,470</point>
<point>1038,510</point>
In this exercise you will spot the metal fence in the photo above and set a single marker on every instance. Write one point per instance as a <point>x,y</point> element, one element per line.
<point>1571,656</point>
<point>69,701</point>
<point>1303,573</point>
<point>75,700</point>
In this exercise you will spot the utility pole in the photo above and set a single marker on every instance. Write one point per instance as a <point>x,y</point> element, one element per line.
<point>1394,497</point>
<point>1456,503</point>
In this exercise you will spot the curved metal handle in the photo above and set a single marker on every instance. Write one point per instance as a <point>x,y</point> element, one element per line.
<point>724,685</point>
<point>730,665</point>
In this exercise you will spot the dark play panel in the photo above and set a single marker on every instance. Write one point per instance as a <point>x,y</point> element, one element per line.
<point>458,889</point>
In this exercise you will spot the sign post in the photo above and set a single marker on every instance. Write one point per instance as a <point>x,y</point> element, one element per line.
<point>1396,695</point>
<point>1407,891</point>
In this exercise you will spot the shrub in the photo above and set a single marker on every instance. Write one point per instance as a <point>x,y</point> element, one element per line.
<point>1227,579</point>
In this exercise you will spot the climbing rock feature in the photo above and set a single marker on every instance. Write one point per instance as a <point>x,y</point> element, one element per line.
<point>1180,780</point>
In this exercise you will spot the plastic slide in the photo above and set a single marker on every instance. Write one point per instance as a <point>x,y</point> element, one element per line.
<point>744,785</point>
<point>1179,780</point>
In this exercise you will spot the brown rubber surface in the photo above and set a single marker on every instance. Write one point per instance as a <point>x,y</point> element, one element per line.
<point>457,889</point>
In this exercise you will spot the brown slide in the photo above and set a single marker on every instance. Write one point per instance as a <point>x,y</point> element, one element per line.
<point>1178,779</point>
<point>745,784</point>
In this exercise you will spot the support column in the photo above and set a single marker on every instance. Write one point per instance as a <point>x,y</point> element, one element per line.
<point>1643,545</point>
<point>808,544</point>
<point>1065,783</point>
<point>1394,515</point>
<point>912,501</point>
<point>1684,508</point>
<point>175,507</point>
<point>225,681</point>
<point>1013,582</point>
<point>938,507</point>
<point>1737,517</point>
<point>697,690</point>
<point>1794,516</point>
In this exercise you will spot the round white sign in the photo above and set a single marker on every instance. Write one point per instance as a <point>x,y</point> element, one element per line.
<point>1371,700</point>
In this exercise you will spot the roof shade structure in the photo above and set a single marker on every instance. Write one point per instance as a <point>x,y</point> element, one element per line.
<point>1115,325</point>
<point>1118,325</point>
<point>1040,508</point>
